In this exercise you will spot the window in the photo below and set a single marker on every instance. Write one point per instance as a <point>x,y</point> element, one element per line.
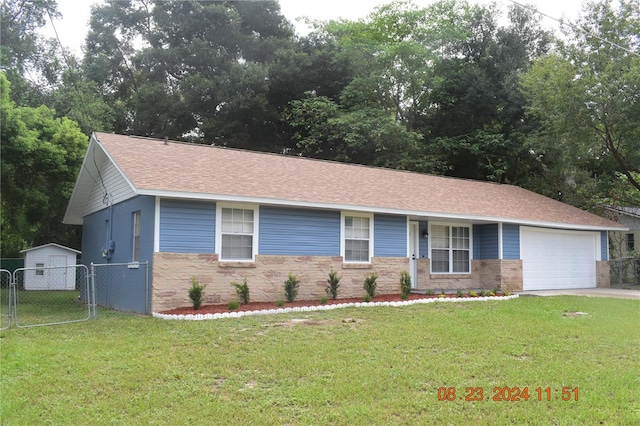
<point>136,237</point>
<point>450,249</point>
<point>237,228</point>
<point>357,238</point>
<point>631,244</point>
<point>40,271</point>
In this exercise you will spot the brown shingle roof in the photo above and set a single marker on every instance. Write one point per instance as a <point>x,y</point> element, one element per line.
<point>179,169</point>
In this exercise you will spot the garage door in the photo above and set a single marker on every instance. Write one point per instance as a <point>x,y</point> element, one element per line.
<point>558,259</point>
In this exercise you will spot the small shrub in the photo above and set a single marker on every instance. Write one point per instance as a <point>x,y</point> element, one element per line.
<point>429,292</point>
<point>459,293</point>
<point>233,305</point>
<point>442,292</point>
<point>496,290</point>
<point>482,293</point>
<point>280,303</point>
<point>367,298</point>
<point>441,296</point>
<point>490,293</point>
<point>323,300</point>
<point>370,284</point>
<point>291,286</point>
<point>196,293</point>
<point>506,293</point>
<point>405,284</point>
<point>333,284</point>
<point>242,290</point>
<point>473,293</point>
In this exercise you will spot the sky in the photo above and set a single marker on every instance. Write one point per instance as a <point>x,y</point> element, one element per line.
<point>72,28</point>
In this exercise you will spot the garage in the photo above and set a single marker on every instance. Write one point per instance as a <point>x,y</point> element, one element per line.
<point>555,259</point>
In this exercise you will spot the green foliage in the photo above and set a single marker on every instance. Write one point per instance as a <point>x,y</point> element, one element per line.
<point>333,284</point>
<point>491,293</point>
<point>473,293</point>
<point>242,290</point>
<point>370,284</point>
<point>233,305</point>
<point>40,157</point>
<point>291,286</point>
<point>368,298</point>
<point>279,303</point>
<point>482,293</point>
<point>459,293</point>
<point>323,300</point>
<point>429,292</point>
<point>405,284</point>
<point>196,293</point>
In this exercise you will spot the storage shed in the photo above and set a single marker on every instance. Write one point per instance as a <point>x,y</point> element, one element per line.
<point>47,267</point>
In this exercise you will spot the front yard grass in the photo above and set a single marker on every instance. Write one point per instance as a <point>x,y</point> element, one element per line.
<point>347,366</point>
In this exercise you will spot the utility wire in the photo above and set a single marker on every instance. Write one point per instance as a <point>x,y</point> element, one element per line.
<point>575,28</point>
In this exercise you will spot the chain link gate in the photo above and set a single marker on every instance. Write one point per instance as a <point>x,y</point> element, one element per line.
<point>121,286</point>
<point>51,295</point>
<point>5,299</point>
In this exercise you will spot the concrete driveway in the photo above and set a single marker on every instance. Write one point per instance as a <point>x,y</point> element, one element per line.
<point>621,293</point>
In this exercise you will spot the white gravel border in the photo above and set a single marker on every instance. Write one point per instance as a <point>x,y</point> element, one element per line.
<point>201,317</point>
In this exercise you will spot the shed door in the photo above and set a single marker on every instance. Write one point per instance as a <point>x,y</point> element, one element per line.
<point>58,276</point>
<point>558,259</point>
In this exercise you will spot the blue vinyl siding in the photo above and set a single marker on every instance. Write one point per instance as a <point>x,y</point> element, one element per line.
<point>423,242</point>
<point>510,241</point>
<point>390,236</point>
<point>187,226</point>
<point>299,232</point>
<point>485,241</point>
<point>125,295</point>
<point>604,244</point>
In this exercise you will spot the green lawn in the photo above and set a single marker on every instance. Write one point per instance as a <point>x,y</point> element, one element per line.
<point>347,366</point>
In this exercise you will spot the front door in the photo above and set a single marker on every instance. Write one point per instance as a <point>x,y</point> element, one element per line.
<point>414,255</point>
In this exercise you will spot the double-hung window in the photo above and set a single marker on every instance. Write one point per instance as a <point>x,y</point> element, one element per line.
<point>450,249</point>
<point>237,230</point>
<point>357,238</point>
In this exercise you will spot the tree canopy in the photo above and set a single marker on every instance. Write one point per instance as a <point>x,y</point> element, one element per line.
<point>451,88</point>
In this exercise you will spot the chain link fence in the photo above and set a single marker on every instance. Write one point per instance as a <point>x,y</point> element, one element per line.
<point>50,295</point>
<point>625,270</point>
<point>122,286</point>
<point>5,299</point>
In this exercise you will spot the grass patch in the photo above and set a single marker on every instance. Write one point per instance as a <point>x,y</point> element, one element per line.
<point>349,366</point>
<point>35,307</point>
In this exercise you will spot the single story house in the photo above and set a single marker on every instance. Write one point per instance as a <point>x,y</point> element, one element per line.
<point>625,243</point>
<point>222,215</point>
<point>47,267</point>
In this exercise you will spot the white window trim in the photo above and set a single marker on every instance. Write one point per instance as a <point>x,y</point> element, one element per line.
<point>342,235</point>
<point>256,227</point>
<point>451,224</point>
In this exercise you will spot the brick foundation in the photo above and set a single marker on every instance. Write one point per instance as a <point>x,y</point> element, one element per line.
<point>172,274</point>
<point>485,274</point>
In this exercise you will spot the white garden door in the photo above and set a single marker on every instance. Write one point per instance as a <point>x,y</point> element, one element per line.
<point>553,259</point>
<point>57,276</point>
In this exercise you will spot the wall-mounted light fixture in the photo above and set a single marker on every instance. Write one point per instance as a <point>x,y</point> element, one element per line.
<point>425,233</point>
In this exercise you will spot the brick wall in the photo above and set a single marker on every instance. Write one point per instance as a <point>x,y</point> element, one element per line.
<point>172,274</point>
<point>485,274</point>
<point>603,277</point>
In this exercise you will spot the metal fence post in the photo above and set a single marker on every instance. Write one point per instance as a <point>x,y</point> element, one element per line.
<point>92,280</point>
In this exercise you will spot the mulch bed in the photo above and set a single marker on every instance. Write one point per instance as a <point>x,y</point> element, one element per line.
<point>259,306</point>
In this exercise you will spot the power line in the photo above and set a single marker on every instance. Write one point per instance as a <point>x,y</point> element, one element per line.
<point>575,28</point>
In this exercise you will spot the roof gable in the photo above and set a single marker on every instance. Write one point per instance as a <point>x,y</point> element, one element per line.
<point>69,249</point>
<point>204,172</point>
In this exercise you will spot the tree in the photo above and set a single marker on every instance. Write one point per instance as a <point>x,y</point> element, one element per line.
<point>23,51</point>
<point>196,70</point>
<point>587,98</point>
<point>40,158</point>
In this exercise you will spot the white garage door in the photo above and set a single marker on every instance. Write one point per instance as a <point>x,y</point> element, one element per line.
<point>558,259</point>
